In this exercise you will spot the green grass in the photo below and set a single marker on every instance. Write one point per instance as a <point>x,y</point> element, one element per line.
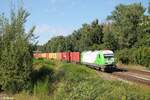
<point>82,83</point>
<point>77,82</point>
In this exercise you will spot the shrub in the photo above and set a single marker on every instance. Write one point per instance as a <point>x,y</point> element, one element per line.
<point>122,56</point>
<point>134,56</point>
<point>16,53</point>
<point>142,56</point>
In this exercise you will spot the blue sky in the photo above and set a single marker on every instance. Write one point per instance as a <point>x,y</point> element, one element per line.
<point>62,17</point>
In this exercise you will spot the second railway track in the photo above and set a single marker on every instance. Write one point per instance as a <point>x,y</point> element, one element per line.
<point>132,77</point>
<point>143,72</point>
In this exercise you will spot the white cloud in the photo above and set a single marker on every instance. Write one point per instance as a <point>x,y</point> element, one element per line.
<point>42,29</point>
<point>45,28</point>
<point>45,32</point>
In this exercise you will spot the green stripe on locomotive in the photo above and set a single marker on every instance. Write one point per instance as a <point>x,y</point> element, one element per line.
<point>100,60</point>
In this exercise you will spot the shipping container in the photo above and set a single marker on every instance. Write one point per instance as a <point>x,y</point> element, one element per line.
<point>75,56</point>
<point>37,55</point>
<point>59,56</point>
<point>65,56</point>
<point>43,55</point>
<point>40,55</point>
<point>49,55</point>
<point>53,56</point>
<point>56,56</point>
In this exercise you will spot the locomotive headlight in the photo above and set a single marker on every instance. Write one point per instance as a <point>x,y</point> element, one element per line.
<point>112,59</point>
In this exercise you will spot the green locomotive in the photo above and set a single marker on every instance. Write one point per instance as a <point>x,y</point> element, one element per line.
<point>100,59</point>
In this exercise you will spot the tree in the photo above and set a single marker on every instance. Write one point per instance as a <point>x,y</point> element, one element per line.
<point>110,42</point>
<point>144,42</point>
<point>110,37</point>
<point>75,40</point>
<point>97,32</point>
<point>89,35</point>
<point>16,53</point>
<point>126,19</point>
<point>144,38</point>
<point>56,44</point>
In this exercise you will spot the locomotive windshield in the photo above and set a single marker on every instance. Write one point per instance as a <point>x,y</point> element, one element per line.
<point>109,58</point>
<point>108,55</point>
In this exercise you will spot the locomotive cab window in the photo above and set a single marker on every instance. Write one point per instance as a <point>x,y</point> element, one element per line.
<point>108,56</point>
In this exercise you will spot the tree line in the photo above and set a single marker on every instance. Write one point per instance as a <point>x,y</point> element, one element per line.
<point>127,27</point>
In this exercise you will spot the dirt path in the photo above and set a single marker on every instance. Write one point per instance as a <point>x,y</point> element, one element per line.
<point>4,96</point>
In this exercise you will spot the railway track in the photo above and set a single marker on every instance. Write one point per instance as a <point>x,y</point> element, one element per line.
<point>131,75</point>
<point>137,78</point>
<point>143,72</point>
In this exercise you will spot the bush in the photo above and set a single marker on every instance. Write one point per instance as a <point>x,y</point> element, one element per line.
<point>142,56</point>
<point>134,56</point>
<point>16,53</point>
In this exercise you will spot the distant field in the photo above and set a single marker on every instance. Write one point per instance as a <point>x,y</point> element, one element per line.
<point>56,80</point>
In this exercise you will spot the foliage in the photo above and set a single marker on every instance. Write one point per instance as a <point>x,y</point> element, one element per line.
<point>72,81</point>
<point>124,56</point>
<point>15,52</point>
<point>135,56</point>
<point>80,40</point>
<point>126,19</point>
<point>144,41</point>
<point>110,41</point>
<point>83,83</point>
<point>56,44</point>
<point>43,79</point>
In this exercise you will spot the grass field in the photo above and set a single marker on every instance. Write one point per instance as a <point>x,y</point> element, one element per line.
<point>56,80</point>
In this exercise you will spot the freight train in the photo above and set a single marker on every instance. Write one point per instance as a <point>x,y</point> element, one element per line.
<point>101,59</point>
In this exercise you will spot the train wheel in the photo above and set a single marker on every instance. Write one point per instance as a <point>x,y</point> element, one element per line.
<point>99,69</point>
<point>103,69</point>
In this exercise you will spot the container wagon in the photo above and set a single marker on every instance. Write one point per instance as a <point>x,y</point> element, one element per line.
<point>75,57</point>
<point>65,56</point>
<point>100,59</point>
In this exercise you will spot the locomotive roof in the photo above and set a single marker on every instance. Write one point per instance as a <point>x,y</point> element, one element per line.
<point>107,52</point>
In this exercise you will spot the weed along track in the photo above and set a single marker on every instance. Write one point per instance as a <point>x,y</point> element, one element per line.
<point>132,77</point>
<point>143,72</point>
